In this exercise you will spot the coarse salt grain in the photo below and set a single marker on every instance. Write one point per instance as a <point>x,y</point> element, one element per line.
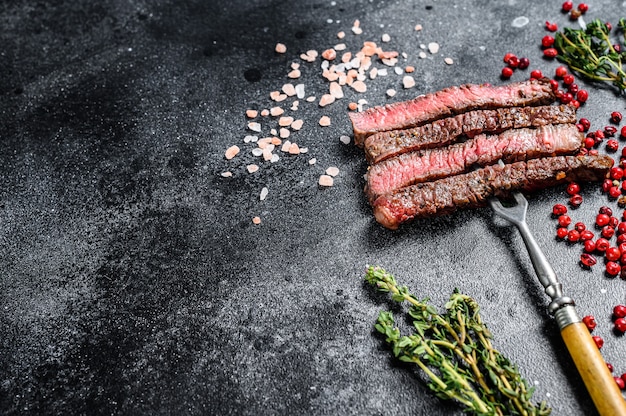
<point>391,92</point>
<point>324,121</point>
<point>340,47</point>
<point>336,90</point>
<point>294,149</point>
<point>280,48</point>
<point>300,91</point>
<point>332,171</point>
<point>257,151</point>
<point>326,180</point>
<point>256,220</point>
<point>398,70</point>
<point>252,168</point>
<point>231,152</point>
<point>448,61</point>
<point>422,55</point>
<point>265,112</point>
<point>285,121</point>
<point>250,139</point>
<point>276,111</point>
<point>409,69</point>
<point>341,35</point>
<point>408,81</point>
<point>310,99</point>
<point>312,161</point>
<point>385,37</point>
<point>289,89</point>
<point>344,139</point>
<point>418,27</point>
<point>326,100</point>
<point>275,158</point>
<point>226,174</point>
<point>264,193</point>
<point>284,133</point>
<point>433,47</point>
<point>329,54</point>
<point>297,124</point>
<point>252,113</point>
<point>254,126</point>
<point>294,74</point>
<point>359,86</point>
<point>285,147</point>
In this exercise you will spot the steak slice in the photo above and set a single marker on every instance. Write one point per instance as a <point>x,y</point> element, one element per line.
<point>473,189</point>
<point>448,102</point>
<point>383,145</point>
<point>511,146</point>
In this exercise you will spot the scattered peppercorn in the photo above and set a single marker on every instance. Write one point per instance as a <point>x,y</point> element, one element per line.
<point>576,200</point>
<point>564,220</point>
<point>590,322</point>
<point>567,6</point>
<point>619,311</point>
<point>620,325</point>
<point>550,53</point>
<point>559,209</point>
<point>587,260</point>
<point>612,268</point>
<point>598,340</point>
<point>552,27</point>
<point>616,117</point>
<point>523,63</point>
<point>573,188</point>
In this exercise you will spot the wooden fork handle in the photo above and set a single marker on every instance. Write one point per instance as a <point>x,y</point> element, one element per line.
<point>591,366</point>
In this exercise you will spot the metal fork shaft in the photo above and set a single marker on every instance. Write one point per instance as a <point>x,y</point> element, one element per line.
<point>544,270</point>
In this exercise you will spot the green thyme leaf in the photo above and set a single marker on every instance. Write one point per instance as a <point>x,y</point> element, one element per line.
<point>454,351</point>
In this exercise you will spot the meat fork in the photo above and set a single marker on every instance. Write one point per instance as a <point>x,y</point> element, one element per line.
<point>600,384</point>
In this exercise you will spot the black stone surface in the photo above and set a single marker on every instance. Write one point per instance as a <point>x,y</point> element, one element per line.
<point>132,279</point>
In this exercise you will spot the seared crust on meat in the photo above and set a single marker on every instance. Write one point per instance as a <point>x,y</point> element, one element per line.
<point>383,145</point>
<point>509,146</point>
<point>448,102</point>
<point>473,189</point>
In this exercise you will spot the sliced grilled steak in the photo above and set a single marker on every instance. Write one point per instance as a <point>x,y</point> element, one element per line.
<point>472,189</point>
<point>511,146</point>
<point>448,102</point>
<point>443,132</point>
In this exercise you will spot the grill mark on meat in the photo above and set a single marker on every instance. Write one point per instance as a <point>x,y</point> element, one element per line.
<point>510,146</point>
<point>448,102</point>
<point>473,189</point>
<point>383,145</point>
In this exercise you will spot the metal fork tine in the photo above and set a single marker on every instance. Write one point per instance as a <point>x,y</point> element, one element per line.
<point>521,200</point>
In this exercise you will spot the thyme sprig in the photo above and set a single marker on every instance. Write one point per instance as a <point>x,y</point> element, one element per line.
<point>590,52</point>
<point>454,350</point>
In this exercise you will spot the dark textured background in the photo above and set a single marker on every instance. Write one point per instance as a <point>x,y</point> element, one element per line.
<point>132,280</point>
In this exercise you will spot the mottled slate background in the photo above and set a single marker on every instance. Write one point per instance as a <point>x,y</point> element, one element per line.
<point>132,279</point>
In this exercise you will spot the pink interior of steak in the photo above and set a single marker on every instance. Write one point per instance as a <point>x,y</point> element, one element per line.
<point>447,102</point>
<point>509,146</point>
